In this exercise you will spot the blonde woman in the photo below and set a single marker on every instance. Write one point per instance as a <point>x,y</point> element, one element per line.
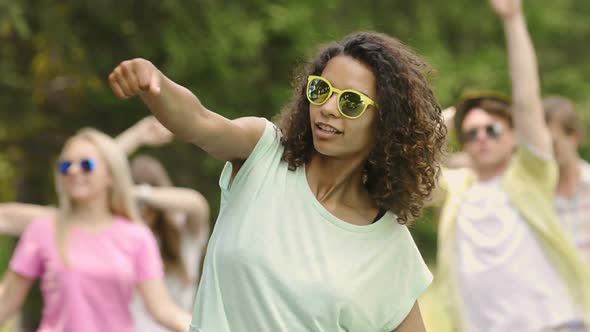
<point>93,252</point>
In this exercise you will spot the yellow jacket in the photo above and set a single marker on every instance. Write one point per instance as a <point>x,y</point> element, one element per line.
<point>530,183</point>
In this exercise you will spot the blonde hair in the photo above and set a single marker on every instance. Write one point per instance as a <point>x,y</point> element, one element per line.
<point>121,199</point>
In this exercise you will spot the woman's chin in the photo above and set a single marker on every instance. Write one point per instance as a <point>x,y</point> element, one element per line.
<point>80,197</point>
<point>325,149</point>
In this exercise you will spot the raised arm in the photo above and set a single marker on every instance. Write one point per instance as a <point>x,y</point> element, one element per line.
<point>13,291</point>
<point>176,199</point>
<point>528,116</point>
<point>183,114</point>
<point>147,131</point>
<point>15,217</point>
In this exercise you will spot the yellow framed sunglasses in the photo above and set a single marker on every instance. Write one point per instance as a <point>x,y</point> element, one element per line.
<point>351,103</point>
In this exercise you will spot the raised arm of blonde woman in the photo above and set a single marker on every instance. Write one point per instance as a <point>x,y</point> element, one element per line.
<point>147,131</point>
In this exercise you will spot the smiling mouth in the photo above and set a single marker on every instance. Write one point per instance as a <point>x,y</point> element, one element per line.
<point>328,129</point>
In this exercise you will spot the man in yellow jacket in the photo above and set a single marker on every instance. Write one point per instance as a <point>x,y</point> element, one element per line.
<point>504,259</point>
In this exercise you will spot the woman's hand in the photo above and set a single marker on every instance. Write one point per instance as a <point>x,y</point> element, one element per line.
<point>152,132</point>
<point>133,77</point>
<point>147,131</point>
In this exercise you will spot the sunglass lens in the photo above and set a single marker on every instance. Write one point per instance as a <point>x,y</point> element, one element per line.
<point>351,104</point>
<point>318,91</point>
<point>87,165</point>
<point>494,130</point>
<point>64,166</point>
<point>470,135</point>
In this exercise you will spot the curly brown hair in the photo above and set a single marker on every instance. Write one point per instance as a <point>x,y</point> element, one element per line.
<point>403,166</point>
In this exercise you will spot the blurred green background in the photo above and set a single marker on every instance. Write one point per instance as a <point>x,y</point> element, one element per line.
<point>238,57</point>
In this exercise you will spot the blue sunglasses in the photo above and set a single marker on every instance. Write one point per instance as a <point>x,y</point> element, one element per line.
<point>87,166</point>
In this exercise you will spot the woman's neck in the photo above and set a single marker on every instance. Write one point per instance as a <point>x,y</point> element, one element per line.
<point>96,211</point>
<point>336,180</point>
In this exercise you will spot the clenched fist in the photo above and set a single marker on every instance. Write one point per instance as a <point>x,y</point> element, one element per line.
<point>133,77</point>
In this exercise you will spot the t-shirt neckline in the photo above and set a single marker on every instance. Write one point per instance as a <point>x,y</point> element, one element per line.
<point>308,195</point>
<point>98,232</point>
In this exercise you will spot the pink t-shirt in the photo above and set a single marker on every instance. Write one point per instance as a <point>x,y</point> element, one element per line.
<point>93,292</point>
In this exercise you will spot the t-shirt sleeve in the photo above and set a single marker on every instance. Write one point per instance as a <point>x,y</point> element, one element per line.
<point>410,282</point>
<point>28,256</point>
<point>267,145</point>
<point>148,262</point>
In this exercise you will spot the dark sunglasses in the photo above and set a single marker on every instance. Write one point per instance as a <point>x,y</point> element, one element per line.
<point>493,131</point>
<point>351,103</point>
<point>87,166</point>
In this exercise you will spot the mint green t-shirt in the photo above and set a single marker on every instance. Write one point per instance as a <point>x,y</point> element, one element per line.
<point>279,261</point>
